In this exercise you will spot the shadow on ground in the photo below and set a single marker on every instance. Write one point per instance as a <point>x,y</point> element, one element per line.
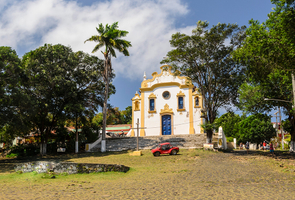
<point>277,154</point>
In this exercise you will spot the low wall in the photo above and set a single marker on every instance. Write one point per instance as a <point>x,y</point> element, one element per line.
<point>70,168</point>
<point>149,142</point>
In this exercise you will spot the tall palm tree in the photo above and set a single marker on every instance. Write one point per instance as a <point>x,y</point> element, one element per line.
<point>109,36</point>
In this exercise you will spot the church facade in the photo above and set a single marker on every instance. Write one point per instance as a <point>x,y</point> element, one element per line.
<point>166,105</point>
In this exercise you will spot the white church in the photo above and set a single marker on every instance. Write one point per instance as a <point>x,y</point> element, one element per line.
<point>167,105</point>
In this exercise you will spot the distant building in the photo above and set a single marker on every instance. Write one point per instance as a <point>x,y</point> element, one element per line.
<point>167,105</point>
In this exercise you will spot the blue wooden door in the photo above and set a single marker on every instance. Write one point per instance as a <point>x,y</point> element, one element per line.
<point>166,124</point>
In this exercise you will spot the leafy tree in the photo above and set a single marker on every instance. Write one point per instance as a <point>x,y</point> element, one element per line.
<point>11,98</point>
<point>287,126</point>
<point>268,54</point>
<point>205,57</point>
<point>230,123</point>
<point>126,115</point>
<point>57,83</point>
<point>255,129</point>
<point>114,116</point>
<point>110,37</point>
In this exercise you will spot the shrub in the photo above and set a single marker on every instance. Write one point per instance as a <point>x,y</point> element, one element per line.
<point>229,139</point>
<point>11,155</point>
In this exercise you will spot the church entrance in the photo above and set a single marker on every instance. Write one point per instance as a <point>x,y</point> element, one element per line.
<point>166,125</point>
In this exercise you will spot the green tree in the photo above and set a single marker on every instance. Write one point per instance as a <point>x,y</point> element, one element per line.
<point>59,82</point>
<point>230,123</point>
<point>126,115</point>
<point>205,57</point>
<point>11,99</point>
<point>114,116</point>
<point>268,53</point>
<point>110,37</point>
<point>255,129</point>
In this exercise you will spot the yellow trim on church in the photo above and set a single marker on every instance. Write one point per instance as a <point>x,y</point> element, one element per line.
<point>165,84</point>
<point>197,94</point>
<point>144,84</point>
<point>191,117</point>
<point>180,94</point>
<point>142,132</point>
<point>132,130</point>
<point>166,110</point>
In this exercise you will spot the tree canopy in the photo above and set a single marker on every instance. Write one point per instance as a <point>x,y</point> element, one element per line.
<point>229,123</point>
<point>49,86</point>
<point>11,97</point>
<point>255,128</point>
<point>110,37</point>
<point>268,54</point>
<point>205,57</point>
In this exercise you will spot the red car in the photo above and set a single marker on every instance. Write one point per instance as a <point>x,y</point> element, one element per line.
<point>165,148</point>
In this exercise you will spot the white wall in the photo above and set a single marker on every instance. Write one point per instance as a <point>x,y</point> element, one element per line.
<point>180,121</point>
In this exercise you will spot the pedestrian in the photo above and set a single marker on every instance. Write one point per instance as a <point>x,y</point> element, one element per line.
<point>264,145</point>
<point>261,146</point>
<point>241,145</point>
<point>247,146</point>
<point>121,134</point>
<point>271,149</point>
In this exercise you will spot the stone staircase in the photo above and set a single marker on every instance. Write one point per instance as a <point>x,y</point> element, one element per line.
<point>149,142</point>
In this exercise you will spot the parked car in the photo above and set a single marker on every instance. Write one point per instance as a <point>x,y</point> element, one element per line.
<point>165,148</point>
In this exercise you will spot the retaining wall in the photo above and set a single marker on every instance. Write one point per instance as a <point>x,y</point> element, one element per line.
<point>150,142</point>
<point>70,168</point>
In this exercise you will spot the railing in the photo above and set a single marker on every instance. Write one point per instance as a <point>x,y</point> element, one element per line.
<point>89,146</point>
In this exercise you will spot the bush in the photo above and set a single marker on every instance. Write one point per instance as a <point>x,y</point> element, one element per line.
<point>11,155</point>
<point>255,129</point>
<point>24,150</point>
<point>229,139</point>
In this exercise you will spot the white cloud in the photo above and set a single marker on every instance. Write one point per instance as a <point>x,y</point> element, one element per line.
<point>28,24</point>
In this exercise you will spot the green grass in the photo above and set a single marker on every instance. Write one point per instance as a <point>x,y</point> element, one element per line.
<point>146,163</point>
<point>147,175</point>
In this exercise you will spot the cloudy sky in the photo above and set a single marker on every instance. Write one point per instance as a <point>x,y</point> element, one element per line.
<point>27,24</point>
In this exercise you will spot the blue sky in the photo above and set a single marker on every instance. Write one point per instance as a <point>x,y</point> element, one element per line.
<point>27,24</point>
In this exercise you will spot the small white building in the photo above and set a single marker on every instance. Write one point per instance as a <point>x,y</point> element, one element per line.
<point>167,105</point>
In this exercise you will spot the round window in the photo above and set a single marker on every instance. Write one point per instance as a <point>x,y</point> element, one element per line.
<point>166,95</point>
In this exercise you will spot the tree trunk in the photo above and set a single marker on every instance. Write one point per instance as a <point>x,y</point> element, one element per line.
<point>209,137</point>
<point>106,93</point>
<point>43,144</point>
<point>292,133</point>
<point>292,144</point>
<point>76,143</point>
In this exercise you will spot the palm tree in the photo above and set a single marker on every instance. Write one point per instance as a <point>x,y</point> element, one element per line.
<point>109,36</point>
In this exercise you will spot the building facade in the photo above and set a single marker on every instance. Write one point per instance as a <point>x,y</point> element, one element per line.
<point>167,105</point>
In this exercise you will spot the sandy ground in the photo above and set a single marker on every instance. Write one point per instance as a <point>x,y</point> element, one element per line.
<point>190,175</point>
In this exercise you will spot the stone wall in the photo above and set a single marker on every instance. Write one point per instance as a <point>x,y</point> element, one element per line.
<point>150,142</point>
<point>70,168</point>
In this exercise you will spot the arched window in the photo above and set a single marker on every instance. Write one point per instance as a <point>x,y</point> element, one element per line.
<point>197,103</point>
<point>136,105</point>
<point>180,103</point>
<point>152,103</point>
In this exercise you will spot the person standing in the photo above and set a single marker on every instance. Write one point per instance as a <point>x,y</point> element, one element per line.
<point>264,145</point>
<point>247,146</point>
<point>260,146</point>
<point>241,145</point>
<point>271,149</point>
